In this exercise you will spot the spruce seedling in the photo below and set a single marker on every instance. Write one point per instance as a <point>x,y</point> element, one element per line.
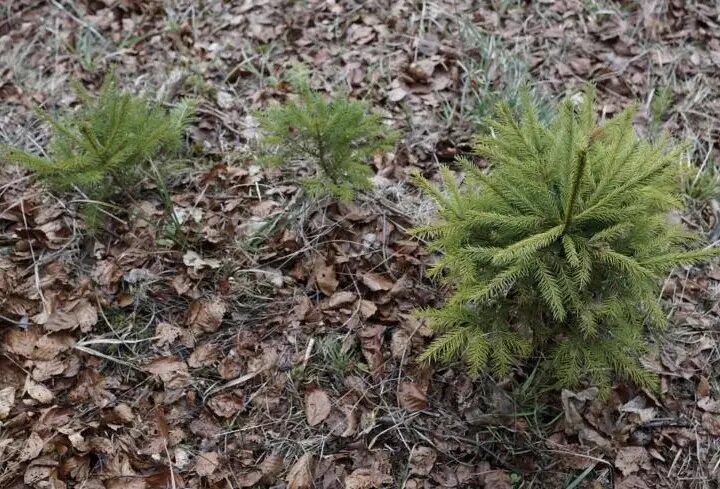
<point>560,250</point>
<point>338,137</point>
<point>104,148</point>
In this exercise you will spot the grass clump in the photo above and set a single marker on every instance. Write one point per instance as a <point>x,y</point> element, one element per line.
<point>560,250</point>
<point>107,145</point>
<point>337,136</point>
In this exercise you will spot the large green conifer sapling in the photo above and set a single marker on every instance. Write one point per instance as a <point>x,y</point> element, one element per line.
<point>560,250</point>
<point>104,148</point>
<point>338,136</point>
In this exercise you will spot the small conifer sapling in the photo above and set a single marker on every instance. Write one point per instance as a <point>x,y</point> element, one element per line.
<point>338,137</point>
<point>104,148</point>
<point>560,249</point>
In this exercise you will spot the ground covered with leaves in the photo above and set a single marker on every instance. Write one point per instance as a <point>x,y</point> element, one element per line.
<point>263,340</point>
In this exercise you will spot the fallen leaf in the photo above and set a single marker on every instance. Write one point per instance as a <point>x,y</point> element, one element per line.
<point>317,406</point>
<point>123,413</point>
<point>205,316</point>
<point>227,405</point>
<point>49,346</point>
<point>631,459</point>
<point>207,463</point>
<point>397,94</point>
<point>367,309</point>
<point>703,387</point>
<point>376,282</point>
<point>271,467</point>
<point>79,314</point>
<point>371,346</point>
<point>172,371</point>
<point>710,422</point>
<point>496,479</point>
<point>709,405</point>
<point>203,356</point>
<point>38,391</point>
<point>7,401</point>
<point>326,279</point>
<point>411,397</point>
<point>248,479</point>
<point>78,442</point>
<point>32,448</point>
<point>367,479</point>
<point>46,369</point>
<point>422,460</point>
<point>632,482</point>
<point>300,475</point>
<point>21,342</point>
<point>167,333</point>
<point>37,476</point>
<point>340,299</point>
<point>400,344</point>
<point>197,263</point>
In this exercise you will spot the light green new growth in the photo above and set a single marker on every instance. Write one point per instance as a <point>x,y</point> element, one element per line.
<point>103,148</point>
<point>560,250</point>
<point>339,136</point>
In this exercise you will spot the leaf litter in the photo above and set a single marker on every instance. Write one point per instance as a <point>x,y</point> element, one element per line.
<point>128,361</point>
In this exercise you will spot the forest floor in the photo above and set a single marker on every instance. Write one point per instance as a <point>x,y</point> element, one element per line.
<point>271,342</point>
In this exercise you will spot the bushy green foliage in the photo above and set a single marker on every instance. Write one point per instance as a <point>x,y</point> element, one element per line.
<point>104,147</point>
<point>339,136</point>
<point>560,249</point>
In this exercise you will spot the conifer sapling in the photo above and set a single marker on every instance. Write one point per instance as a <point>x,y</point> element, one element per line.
<point>338,136</point>
<point>104,147</point>
<point>560,249</point>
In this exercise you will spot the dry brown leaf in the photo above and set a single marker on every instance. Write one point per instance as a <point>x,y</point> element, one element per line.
<point>32,448</point>
<point>167,333</point>
<point>709,405</point>
<point>7,401</point>
<point>21,342</point>
<point>38,475</point>
<point>371,345</point>
<point>631,459</point>
<point>78,442</point>
<point>203,356</point>
<point>703,387</point>
<point>397,93</point>
<point>710,422</point>
<point>38,391</point>
<point>206,463</point>
<point>496,479</point>
<point>300,475</point>
<point>351,421</point>
<point>632,482</point>
<point>340,299</point>
<point>422,460</point>
<point>197,263</point>
<point>172,371</point>
<point>367,479</point>
<point>317,406</point>
<point>411,397</point>
<point>205,316</point>
<point>326,279</point>
<point>76,314</point>
<point>575,424</point>
<point>367,309</point>
<point>248,479</point>
<point>46,369</point>
<point>376,282</point>
<point>49,346</point>
<point>123,413</point>
<point>271,468</point>
<point>227,405</point>
<point>400,344</point>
